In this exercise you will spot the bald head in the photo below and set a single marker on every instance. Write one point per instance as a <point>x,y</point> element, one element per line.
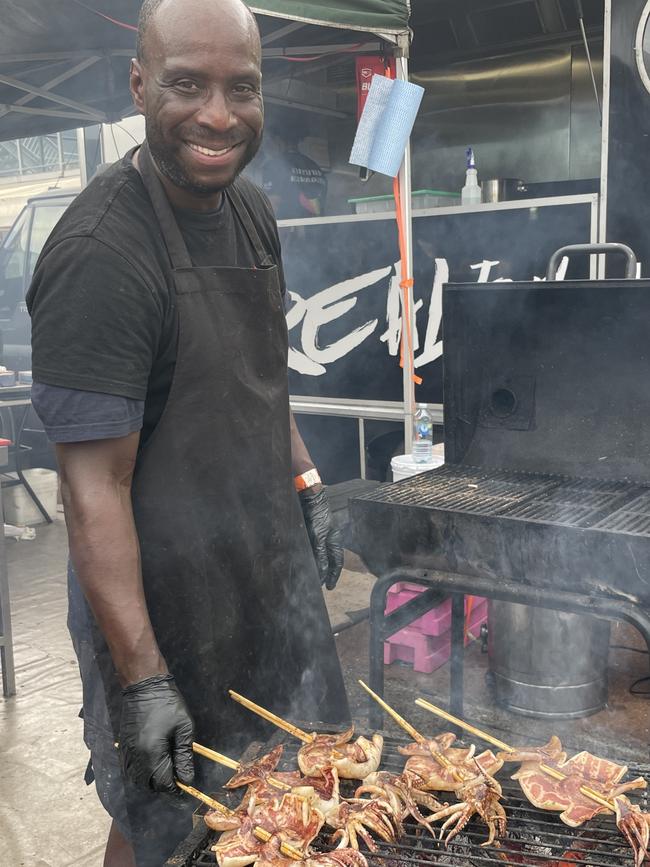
<point>198,82</point>
<point>149,9</point>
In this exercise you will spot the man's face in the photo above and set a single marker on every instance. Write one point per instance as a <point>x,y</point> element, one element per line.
<point>199,87</point>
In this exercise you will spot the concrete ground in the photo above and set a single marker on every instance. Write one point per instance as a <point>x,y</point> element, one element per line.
<point>50,818</point>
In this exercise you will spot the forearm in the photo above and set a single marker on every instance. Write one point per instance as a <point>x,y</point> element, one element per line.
<point>105,553</point>
<point>301,461</point>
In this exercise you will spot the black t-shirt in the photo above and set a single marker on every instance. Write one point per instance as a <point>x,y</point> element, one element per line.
<point>102,300</point>
<point>298,183</point>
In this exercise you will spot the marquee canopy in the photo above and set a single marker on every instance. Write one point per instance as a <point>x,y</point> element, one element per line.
<point>64,63</point>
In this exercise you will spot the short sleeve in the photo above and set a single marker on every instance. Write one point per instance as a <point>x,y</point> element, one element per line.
<point>96,323</point>
<point>69,415</point>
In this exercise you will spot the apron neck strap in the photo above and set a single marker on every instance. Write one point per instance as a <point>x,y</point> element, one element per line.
<point>174,241</point>
<point>262,256</point>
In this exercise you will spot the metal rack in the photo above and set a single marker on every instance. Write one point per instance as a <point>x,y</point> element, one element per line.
<point>535,838</point>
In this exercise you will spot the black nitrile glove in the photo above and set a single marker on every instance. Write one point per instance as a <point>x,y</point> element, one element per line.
<point>156,735</point>
<point>325,538</point>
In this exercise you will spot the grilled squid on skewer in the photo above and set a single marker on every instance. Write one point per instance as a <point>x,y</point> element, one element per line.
<point>271,857</point>
<point>402,793</point>
<point>479,796</point>
<point>442,768</point>
<point>634,826</point>
<point>564,796</point>
<point>263,782</point>
<point>460,763</point>
<point>289,819</point>
<point>353,819</point>
<point>353,761</point>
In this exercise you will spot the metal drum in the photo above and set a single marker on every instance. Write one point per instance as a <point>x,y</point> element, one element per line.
<point>547,663</point>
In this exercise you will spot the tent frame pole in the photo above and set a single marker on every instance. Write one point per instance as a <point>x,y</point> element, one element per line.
<point>405,183</point>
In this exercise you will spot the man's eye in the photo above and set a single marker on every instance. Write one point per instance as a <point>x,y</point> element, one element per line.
<point>187,86</point>
<point>244,89</point>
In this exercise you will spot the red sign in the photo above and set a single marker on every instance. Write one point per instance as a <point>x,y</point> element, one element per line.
<point>367,66</point>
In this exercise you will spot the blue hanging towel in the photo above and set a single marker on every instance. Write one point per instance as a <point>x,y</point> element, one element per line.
<point>386,124</point>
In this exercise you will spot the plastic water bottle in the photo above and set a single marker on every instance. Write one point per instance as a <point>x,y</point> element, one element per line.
<point>471,192</point>
<point>422,435</point>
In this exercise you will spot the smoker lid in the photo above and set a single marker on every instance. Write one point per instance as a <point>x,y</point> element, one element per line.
<point>549,377</point>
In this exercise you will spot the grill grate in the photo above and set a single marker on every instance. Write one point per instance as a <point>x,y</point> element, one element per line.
<point>633,518</point>
<point>535,838</point>
<point>536,497</point>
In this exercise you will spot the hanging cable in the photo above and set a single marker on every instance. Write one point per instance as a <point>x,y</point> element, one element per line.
<point>106,17</point>
<point>581,21</point>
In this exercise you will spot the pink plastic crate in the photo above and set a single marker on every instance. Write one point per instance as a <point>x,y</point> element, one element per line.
<point>434,622</point>
<point>426,653</point>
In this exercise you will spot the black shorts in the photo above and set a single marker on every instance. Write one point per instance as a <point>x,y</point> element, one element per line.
<point>154,824</point>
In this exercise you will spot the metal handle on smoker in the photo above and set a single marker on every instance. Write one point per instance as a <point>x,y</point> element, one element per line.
<point>556,258</point>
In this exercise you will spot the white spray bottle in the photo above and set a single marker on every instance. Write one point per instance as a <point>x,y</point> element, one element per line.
<point>471,193</point>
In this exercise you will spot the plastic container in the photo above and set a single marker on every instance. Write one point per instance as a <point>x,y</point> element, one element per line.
<point>420,200</point>
<point>427,653</point>
<point>435,622</point>
<point>19,508</point>
<point>403,466</point>
<point>7,378</point>
<point>471,193</point>
<point>422,449</point>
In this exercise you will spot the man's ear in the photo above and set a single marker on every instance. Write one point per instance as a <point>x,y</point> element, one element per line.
<point>136,85</point>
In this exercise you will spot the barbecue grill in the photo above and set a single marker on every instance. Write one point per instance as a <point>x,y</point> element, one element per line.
<point>534,838</point>
<point>545,496</point>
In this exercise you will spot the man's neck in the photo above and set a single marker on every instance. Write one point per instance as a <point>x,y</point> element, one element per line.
<point>178,197</point>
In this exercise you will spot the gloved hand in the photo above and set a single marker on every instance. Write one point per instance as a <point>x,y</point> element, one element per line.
<point>325,538</point>
<point>156,734</point>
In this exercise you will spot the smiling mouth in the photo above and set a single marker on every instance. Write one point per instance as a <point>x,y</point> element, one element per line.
<point>211,152</point>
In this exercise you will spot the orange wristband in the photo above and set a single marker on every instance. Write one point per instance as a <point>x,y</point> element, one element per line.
<point>306,480</point>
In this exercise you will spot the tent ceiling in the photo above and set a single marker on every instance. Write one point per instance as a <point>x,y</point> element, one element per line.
<point>65,65</point>
<point>371,16</point>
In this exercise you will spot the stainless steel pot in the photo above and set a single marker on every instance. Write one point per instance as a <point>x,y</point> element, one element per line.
<point>547,663</point>
<point>502,189</point>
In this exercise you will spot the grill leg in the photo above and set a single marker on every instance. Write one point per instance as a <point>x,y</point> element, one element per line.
<point>376,660</point>
<point>457,653</point>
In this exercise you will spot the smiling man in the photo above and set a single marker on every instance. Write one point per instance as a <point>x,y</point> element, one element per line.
<point>160,370</point>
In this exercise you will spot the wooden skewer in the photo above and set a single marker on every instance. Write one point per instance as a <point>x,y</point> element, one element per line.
<point>408,728</point>
<point>216,805</point>
<point>546,769</point>
<point>438,711</point>
<point>271,717</point>
<point>214,756</point>
<point>220,759</point>
<point>413,732</point>
<point>261,833</point>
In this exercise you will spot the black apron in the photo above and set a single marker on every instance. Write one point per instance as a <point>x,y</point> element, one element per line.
<point>230,579</point>
<point>229,576</point>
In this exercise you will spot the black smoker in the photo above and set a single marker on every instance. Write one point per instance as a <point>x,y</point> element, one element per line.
<point>545,497</point>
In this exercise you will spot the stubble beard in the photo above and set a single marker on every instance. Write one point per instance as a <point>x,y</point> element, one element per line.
<point>165,158</point>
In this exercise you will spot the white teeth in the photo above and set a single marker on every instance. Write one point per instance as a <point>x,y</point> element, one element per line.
<point>208,152</point>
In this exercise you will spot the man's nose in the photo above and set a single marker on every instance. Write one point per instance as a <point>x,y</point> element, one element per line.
<point>215,111</point>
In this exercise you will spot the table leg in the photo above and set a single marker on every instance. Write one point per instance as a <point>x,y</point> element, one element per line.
<point>457,653</point>
<point>6,638</point>
<point>19,470</point>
